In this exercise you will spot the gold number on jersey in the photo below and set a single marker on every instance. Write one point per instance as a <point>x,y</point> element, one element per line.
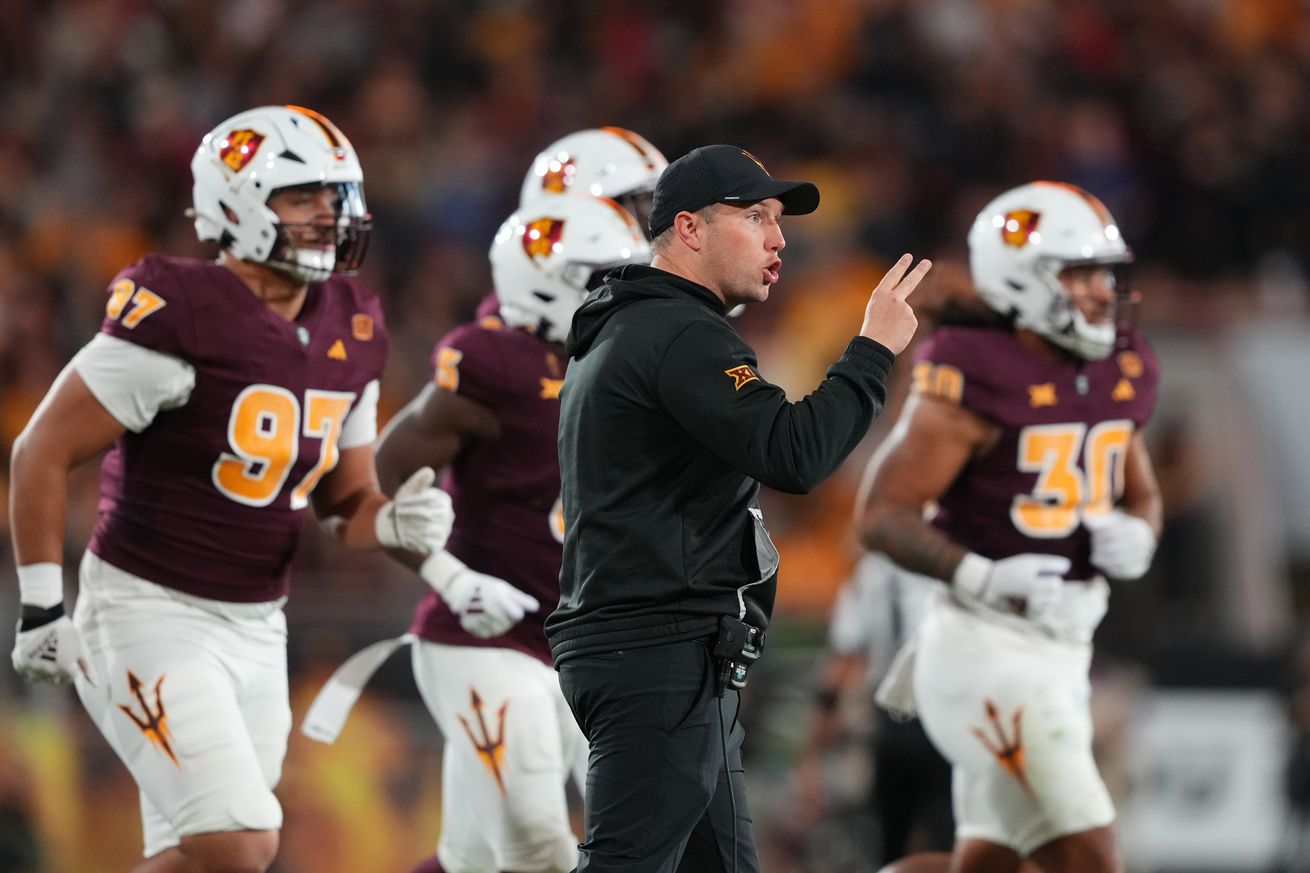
<point>938,380</point>
<point>1106,457</point>
<point>1065,491</point>
<point>325,413</point>
<point>448,369</point>
<point>118,297</point>
<point>557,519</point>
<point>144,302</point>
<point>264,432</point>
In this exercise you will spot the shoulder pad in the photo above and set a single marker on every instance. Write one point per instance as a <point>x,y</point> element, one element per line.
<point>468,361</point>
<point>150,303</point>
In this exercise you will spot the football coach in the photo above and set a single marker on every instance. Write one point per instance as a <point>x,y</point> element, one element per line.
<point>667,431</point>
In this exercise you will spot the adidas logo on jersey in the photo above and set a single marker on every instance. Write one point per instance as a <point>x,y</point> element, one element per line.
<point>338,351</point>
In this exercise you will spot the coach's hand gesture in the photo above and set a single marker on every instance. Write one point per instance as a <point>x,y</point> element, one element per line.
<point>888,319</point>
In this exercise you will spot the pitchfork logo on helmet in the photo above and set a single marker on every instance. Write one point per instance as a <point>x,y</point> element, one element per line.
<point>558,176</point>
<point>254,154</point>
<point>1019,227</point>
<point>541,238</point>
<point>546,257</point>
<point>605,162</point>
<point>1020,243</point>
<point>238,147</point>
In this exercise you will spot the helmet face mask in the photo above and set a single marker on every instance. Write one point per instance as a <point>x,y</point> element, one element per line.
<point>548,256</point>
<point>350,228</point>
<point>639,203</point>
<point>608,162</point>
<point>1064,322</point>
<point>1020,244</point>
<point>256,154</point>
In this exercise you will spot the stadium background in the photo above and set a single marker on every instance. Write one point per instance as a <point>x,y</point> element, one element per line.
<point>1188,117</point>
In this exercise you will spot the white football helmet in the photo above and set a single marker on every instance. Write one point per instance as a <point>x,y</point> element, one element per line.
<point>251,155</point>
<point>1021,241</point>
<point>547,256</point>
<point>608,162</point>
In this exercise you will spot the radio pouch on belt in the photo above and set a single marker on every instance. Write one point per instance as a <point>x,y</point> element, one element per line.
<point>737,646</point>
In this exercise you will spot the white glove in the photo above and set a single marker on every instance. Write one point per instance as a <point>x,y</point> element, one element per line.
<point>1122,544</point>
<point>1033,578</point>
<point>486,606</point>
<point>418,518</point>
<point>51,652</point>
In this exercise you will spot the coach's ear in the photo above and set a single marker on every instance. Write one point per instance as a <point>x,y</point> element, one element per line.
<point>689,227</point>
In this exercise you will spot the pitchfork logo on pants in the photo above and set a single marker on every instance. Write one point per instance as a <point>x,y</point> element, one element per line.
<point>153,722</point>
<point>491,749</point>
<point>1007,750</point>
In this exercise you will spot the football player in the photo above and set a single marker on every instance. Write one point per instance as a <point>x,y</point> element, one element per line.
<point>489,420</point>
<point>1017,474</point>
<point>602,161</point>
<point>231,394</point>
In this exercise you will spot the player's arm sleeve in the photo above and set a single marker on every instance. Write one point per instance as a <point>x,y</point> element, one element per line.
<point>131,382</point>
<point>751,425</point>
<point>361,425</point>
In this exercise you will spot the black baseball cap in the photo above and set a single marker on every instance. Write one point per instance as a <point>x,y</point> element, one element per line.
<point>722,174</point>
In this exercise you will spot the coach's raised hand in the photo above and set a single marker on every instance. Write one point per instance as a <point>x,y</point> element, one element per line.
<point>888,317</point>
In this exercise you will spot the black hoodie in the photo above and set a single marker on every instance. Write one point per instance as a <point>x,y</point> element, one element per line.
<point>666,432</point>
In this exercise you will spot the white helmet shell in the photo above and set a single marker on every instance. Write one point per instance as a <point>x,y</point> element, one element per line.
<point>547,256</point>
<point>605,162</point>
<point>1021,241</point>
<point>248,157</point>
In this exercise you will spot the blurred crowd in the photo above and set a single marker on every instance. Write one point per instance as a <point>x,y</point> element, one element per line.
<point>1187,117</point>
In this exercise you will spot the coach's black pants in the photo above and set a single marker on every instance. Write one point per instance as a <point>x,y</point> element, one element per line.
<point>658,796</point>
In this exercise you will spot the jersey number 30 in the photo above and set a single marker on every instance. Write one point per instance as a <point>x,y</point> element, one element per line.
<point>264,432</point>
<point>1065,490</point>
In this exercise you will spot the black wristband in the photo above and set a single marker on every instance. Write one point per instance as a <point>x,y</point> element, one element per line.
<point>32,617</point>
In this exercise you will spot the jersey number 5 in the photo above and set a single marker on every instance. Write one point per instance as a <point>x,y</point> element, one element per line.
<point>1065,490</point>
<point>264,432</point>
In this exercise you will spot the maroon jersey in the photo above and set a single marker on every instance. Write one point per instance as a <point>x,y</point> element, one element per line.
<point>489,307</point>
<point>208,498</point>
<point>1065,431</point>
<point>505,490</point>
